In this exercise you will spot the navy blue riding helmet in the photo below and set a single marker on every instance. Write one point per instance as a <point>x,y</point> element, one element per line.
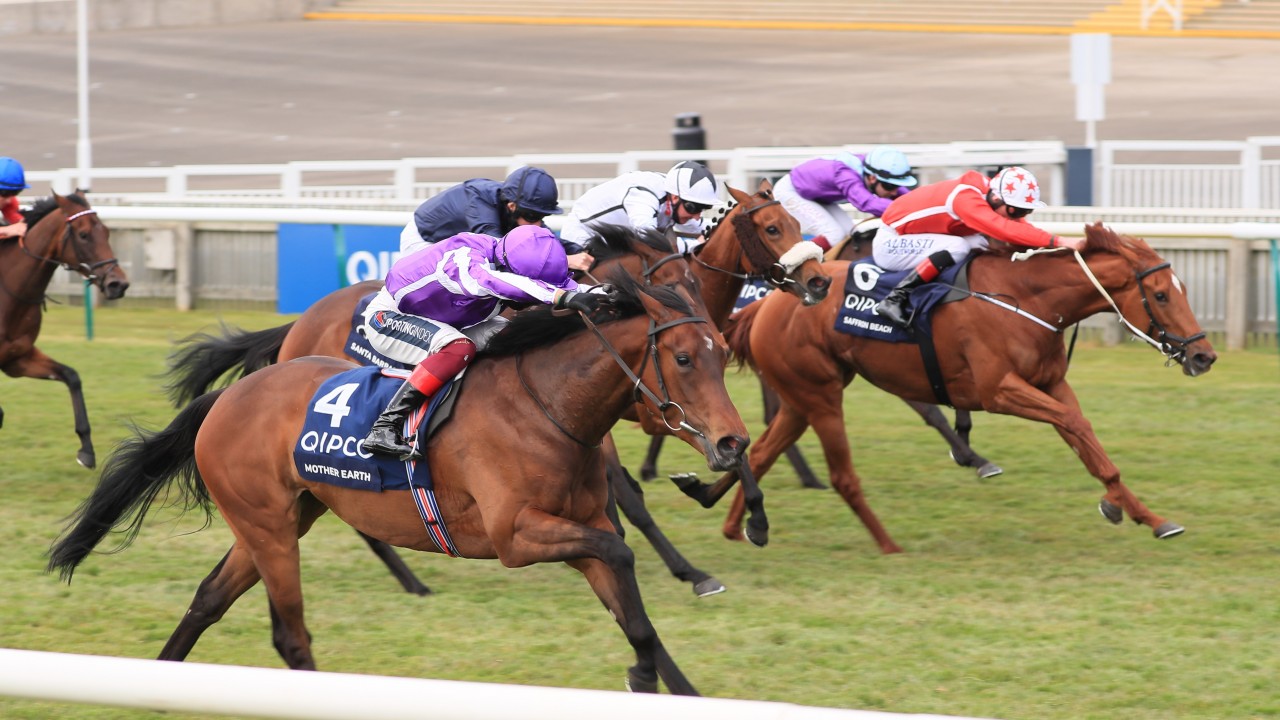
<point>532,190</point>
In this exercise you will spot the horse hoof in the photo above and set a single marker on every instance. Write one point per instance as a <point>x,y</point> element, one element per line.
<point>708,587</point>
<point>647,474</point>
<point>989,470</point>
<point>759,538</point>
<point>86,459</point>
<point>637,684</point>
<point>1111,512</point>
<point>734,534</point>
<point>1168,530</point>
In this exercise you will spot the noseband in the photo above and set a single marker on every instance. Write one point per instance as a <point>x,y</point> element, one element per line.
<point>1173,346</point>
<point>758,254</point>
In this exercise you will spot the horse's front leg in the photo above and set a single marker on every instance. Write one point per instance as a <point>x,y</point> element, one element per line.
<point>609,566</point>
<point>1060,408</point>
<point>36,364</point>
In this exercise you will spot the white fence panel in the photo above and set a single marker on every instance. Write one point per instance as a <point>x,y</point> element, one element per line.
<point>292,694</point>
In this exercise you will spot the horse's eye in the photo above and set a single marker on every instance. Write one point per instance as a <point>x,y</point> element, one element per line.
<point>84,236</point>
<point>773,230</point>
<point>1162,297</point>
<point>683,360</point>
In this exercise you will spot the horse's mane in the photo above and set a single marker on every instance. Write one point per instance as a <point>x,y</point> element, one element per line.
<point>540,326</point>
<point>613,241</point>
<point>1098,238</point>
<point>45,205</point>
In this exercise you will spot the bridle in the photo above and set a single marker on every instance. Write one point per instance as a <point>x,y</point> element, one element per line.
<point>1172,346</point>
<point>85,266</point>
<point>752,246</point>
<point>664,404</point>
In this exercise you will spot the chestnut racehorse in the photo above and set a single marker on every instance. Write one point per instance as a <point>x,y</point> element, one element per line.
<point>518,470</point>
<point>991,358</point>
<point>62,231</point>
<point>750,240</point>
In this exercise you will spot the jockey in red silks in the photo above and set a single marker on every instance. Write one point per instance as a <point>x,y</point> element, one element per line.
<point>440,305</point>
<point>12,181</point>
<point>938,225</point>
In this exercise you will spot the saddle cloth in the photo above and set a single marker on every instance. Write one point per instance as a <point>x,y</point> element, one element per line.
<point>358,347</point>
<point>338,418</point>
<point>868,284</point>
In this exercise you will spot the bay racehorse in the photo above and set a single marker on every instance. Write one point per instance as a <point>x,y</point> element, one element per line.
<point>518,469</point>
<point>62,231</point>
<point>991,358</point>
<point>752,239</point>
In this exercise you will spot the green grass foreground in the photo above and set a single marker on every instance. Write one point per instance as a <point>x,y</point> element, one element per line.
<point>1014,598</point>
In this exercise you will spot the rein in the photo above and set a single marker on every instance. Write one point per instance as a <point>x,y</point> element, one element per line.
<point>663,404</point>
<point>750,244</point>
<point>87,269</point>
<point>1173,347</point>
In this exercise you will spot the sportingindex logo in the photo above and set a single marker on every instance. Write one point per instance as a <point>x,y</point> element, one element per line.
<point>364,265</point>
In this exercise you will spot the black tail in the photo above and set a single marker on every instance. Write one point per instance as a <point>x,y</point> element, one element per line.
<point>138,469</point>
<point>202,359</point>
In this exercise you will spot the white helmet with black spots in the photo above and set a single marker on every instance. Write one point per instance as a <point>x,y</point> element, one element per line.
<point>693,182</point>
<point>1017,187</point>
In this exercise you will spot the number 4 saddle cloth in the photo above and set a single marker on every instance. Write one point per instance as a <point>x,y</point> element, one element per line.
<point>338,418</point>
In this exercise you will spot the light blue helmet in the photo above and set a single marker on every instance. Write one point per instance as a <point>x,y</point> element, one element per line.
<point>11,175</point>
<point>890,166</point>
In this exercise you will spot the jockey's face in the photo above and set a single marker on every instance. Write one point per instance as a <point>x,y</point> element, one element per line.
<point>683,211</point>
<point>882,189</point>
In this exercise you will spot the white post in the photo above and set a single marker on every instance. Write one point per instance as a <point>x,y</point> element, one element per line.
<point>84,154</point>
<point>1090,72</point>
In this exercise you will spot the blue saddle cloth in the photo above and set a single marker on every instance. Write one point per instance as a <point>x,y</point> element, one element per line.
<point>359,349</point>
<point>338,418</point>
<point>868,284</point>
<point>752,290</point>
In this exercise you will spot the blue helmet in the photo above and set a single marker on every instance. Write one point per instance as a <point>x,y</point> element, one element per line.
<point>532,189</point>
<point>890,166</point>
<point>11,175</point>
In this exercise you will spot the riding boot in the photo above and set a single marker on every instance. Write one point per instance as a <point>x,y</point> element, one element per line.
<point>384,437</point>
<point>894,306</point>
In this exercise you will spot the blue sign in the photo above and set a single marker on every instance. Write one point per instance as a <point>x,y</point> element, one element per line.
<point>315,260</point>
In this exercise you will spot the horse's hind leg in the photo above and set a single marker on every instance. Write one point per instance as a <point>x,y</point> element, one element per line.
<point>395,564</point>
<point>36,364</point>
<point>649,468</point>
<point>234,575</point>
<point>794,456</point>
<point>958,439</point>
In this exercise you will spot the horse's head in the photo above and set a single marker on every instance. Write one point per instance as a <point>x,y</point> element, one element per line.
<point>1153,300</point>
<point>85,246</point>
<point>685,374</point>
<point>770,245</point>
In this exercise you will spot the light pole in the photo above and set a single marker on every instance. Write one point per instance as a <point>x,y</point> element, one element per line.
<point>84,154</point>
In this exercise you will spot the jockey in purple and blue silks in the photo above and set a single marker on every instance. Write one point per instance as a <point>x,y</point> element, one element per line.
<point>813,190</point>
<point>441,304</point>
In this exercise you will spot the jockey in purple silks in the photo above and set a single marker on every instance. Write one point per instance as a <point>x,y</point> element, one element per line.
<point>440,305</point>
<point>813,190</point>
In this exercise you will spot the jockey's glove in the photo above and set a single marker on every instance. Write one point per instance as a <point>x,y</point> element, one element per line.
<point>605,290</point>
<point>580,301</point>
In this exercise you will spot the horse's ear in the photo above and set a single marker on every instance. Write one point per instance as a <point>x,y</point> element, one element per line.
<point>1097,233</point>
<point>738,195</point>
<point>765,188</point>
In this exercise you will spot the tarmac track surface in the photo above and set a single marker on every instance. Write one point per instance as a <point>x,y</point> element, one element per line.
<point>275,92</point>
